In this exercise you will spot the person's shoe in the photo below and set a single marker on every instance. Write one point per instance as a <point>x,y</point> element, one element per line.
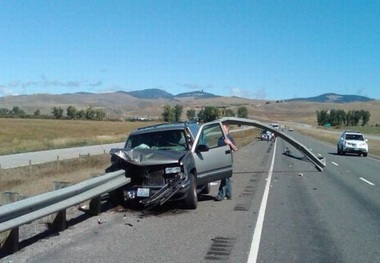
<point>229,197</point>
<point>218,198</point>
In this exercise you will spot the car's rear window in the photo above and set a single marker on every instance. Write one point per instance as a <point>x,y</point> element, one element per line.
<point>356,137</point>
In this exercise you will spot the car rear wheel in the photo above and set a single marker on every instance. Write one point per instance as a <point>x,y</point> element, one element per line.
<point>191,200</point>
<point>365,154</point>
<point>339,151</point>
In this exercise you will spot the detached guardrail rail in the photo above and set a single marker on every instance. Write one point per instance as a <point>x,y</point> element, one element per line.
<point>27,210</point>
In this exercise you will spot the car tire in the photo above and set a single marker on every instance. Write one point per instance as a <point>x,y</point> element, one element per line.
<point>339,151</point>
<point>206,189</point>
<point>191,200</point>
<point>365,154</point>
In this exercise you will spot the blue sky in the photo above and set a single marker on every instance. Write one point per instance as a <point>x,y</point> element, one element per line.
<point>254,49</point>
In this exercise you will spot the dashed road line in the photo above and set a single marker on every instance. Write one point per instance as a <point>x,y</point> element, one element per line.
<point>368,182</point>
<point>334,163</point>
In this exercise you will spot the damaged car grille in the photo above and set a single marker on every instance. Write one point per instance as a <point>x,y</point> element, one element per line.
<point>153,177</point>
<point>145,176</point>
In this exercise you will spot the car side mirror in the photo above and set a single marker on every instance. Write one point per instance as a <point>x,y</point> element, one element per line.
<point>202,148</point>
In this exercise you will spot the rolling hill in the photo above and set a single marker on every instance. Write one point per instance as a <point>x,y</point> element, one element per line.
<point>149,103</point>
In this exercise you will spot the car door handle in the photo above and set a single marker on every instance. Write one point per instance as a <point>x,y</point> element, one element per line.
<point>227,152</point>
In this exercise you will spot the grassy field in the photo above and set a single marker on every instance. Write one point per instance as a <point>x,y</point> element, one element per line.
<point>25,135</point>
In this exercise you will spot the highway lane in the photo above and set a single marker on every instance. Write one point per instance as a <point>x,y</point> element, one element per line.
<point>310,216</point>
<point>38,157</point>
<point>332,216</point>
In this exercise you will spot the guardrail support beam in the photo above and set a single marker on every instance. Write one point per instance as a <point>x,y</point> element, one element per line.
<point>59,222</point>
<point>11,244</point>
<point>9,239</point>
<point>95,205</point>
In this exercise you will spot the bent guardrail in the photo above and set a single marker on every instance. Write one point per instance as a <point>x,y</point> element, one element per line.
<point>319,162</point>
<point>27,210</point>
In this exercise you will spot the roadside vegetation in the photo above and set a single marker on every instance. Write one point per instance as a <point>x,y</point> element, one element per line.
<point>26,135</point>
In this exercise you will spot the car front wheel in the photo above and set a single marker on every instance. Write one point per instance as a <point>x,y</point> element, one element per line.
<point>191,200</point>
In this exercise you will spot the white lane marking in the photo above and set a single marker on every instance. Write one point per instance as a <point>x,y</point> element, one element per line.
<point>364,180</point>
<point>252,258</point>
<point>334,163</point>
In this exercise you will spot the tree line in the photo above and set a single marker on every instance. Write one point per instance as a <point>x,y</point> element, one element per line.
<point>90,113</point>
<point>342,118</point>
<point>206,114</point>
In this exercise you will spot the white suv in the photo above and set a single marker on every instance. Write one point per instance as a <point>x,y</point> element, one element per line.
<point>352,142</point>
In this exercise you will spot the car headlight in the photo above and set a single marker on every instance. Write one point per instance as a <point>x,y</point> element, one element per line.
<point>172,170</point>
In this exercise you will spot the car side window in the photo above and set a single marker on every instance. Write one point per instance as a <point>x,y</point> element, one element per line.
<point>210,135</point>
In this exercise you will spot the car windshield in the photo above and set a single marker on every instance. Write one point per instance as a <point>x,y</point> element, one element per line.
<point>355,137</point>
<point>164,140</point>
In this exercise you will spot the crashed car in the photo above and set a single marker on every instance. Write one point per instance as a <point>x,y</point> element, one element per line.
<point>172,161</point>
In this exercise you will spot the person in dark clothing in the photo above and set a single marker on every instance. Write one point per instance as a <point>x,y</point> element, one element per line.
<point>225,189</point>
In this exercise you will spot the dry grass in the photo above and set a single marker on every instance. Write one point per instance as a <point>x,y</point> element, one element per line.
<point>25,135</point>
<point>37,179</point>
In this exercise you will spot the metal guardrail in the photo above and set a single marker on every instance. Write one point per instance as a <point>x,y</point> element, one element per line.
<point>27,210</point>
<point>319,162</point>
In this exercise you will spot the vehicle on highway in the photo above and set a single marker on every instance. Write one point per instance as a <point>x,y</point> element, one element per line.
<point>352,142</point>
<point>172,161</point>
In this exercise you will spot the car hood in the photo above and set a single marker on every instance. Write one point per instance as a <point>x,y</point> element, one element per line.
<point>148,156</point>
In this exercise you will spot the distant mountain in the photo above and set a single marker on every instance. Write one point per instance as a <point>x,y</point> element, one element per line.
<point>149,94</point>
<point>197,95</point>
<point>161,94</point>
<point>334,98</point>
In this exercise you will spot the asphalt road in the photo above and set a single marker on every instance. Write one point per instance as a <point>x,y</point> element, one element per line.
<point>24,159</point>
<point>283,210</point>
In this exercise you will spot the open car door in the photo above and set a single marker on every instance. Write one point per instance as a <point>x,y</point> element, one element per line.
<point>213,158</point>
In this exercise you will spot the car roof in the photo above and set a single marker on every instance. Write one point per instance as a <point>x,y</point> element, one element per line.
<point>166,127</point>
<point>352,132</point>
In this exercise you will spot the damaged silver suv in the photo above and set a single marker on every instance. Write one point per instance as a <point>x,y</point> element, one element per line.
<point>172,161</point>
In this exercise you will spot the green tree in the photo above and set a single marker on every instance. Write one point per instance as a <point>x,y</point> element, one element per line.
<point>242,112</point>
<point>71,112</point>
<point>37,112</point>
<point>229,113</point>
<point>190,114</point>
<point>17,111</point>
<point>57,112</point>
<point>177,112</point>
<point>365,117</point>
<point>100,114</point>
<point>90,113</point>
<point>80,114</point>
<point>209,113</point>
<point>167,114</point>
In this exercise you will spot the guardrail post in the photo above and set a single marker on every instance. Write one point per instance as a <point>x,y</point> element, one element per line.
<point>9,239</point>
<point>59,222</point>
<point>95,205</point>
